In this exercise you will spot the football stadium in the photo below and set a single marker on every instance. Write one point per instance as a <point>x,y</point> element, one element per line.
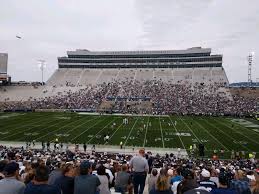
<point>169,98</point>
<point>129,97</point>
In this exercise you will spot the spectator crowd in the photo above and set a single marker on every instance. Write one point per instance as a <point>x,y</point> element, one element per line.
<point>164,97</point>
<point>37,171</point>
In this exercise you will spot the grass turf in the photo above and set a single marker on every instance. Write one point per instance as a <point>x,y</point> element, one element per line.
<point>214,132</point>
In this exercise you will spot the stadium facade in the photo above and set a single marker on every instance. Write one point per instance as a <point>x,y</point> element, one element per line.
<point>195,57</point>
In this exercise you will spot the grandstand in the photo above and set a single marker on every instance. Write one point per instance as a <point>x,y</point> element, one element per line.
<point>83,67</point>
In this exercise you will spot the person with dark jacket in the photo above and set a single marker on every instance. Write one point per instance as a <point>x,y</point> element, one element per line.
<point>40,183</point>
<point>66,181</point>
<point>86,182</point>
<point>188,183</point>
<point>223,185</point>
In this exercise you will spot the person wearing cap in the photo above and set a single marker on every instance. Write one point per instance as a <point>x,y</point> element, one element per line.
<point>10,184</point>
<point>223,185</point>
<point>205,182</point>
<point>86,183</point>
<point>139,166</point>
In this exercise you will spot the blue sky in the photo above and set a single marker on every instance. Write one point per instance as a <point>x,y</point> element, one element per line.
<point>49,28</point>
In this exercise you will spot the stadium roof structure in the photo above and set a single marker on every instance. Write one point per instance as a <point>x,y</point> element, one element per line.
<point>189,58</point>
<point>192,50</point>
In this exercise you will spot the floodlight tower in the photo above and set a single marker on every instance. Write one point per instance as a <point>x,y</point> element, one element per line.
<point>42,66</point>
<point>250,59</point>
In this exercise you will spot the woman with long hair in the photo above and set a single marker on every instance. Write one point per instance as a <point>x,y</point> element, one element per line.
<point>162,184</point>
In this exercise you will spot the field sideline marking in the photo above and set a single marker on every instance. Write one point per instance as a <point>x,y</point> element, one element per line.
<point>101,130</point>
<point>25,130</point>
<point>53,131</point>
<point>225,134</point>
<point>191,130</point>
<point>177,132</point>
<point>161,133</point>
<point>130,131</point>
<point>87,129</point>
<point>146,133</point>
<point>210,134</point>
<point>238,132</point>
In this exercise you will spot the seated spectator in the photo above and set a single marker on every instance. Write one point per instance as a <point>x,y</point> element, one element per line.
<point>223,185</point>
<point>205,182</point>
<point>86,182</point>
<point>66,181</point>
<point>26,171</point>
<point>39,185</point>
<point>240,183</point>
<point>122,180</point>
<point>104,179</point>
<point>176,179</point>
<point>162,184</point>
<point>2,166</point>
<point>55,174</point>
<point>10,184</point>
<point>152,179</point>
<point>255,186</point>
<point>188,183</point>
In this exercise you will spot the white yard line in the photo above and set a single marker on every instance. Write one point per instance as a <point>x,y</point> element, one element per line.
<point>100,130</point>
<point>87,129</point>
<point>145,138</point>
<point>87,121</point>
<point>191,130</point>
<point>211,135</point>
<point>53,131</point>
<point>29,119</point>
<point>178,133</point>
<point>162,135</point>
<point>114,132</point>
<point>26,129</point>
<point>130,131</point>
<point>225,134</point>
<point>256,142</point>
<point>242,127</point>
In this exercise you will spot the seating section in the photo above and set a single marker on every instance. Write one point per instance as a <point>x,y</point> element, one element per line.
<point>81,77</point>
<point>74,79</point>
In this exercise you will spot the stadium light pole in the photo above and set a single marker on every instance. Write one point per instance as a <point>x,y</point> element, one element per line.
<point>42,65</point>
<point>250,59</point>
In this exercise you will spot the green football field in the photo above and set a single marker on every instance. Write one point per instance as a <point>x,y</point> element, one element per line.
<point>160,131</point>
